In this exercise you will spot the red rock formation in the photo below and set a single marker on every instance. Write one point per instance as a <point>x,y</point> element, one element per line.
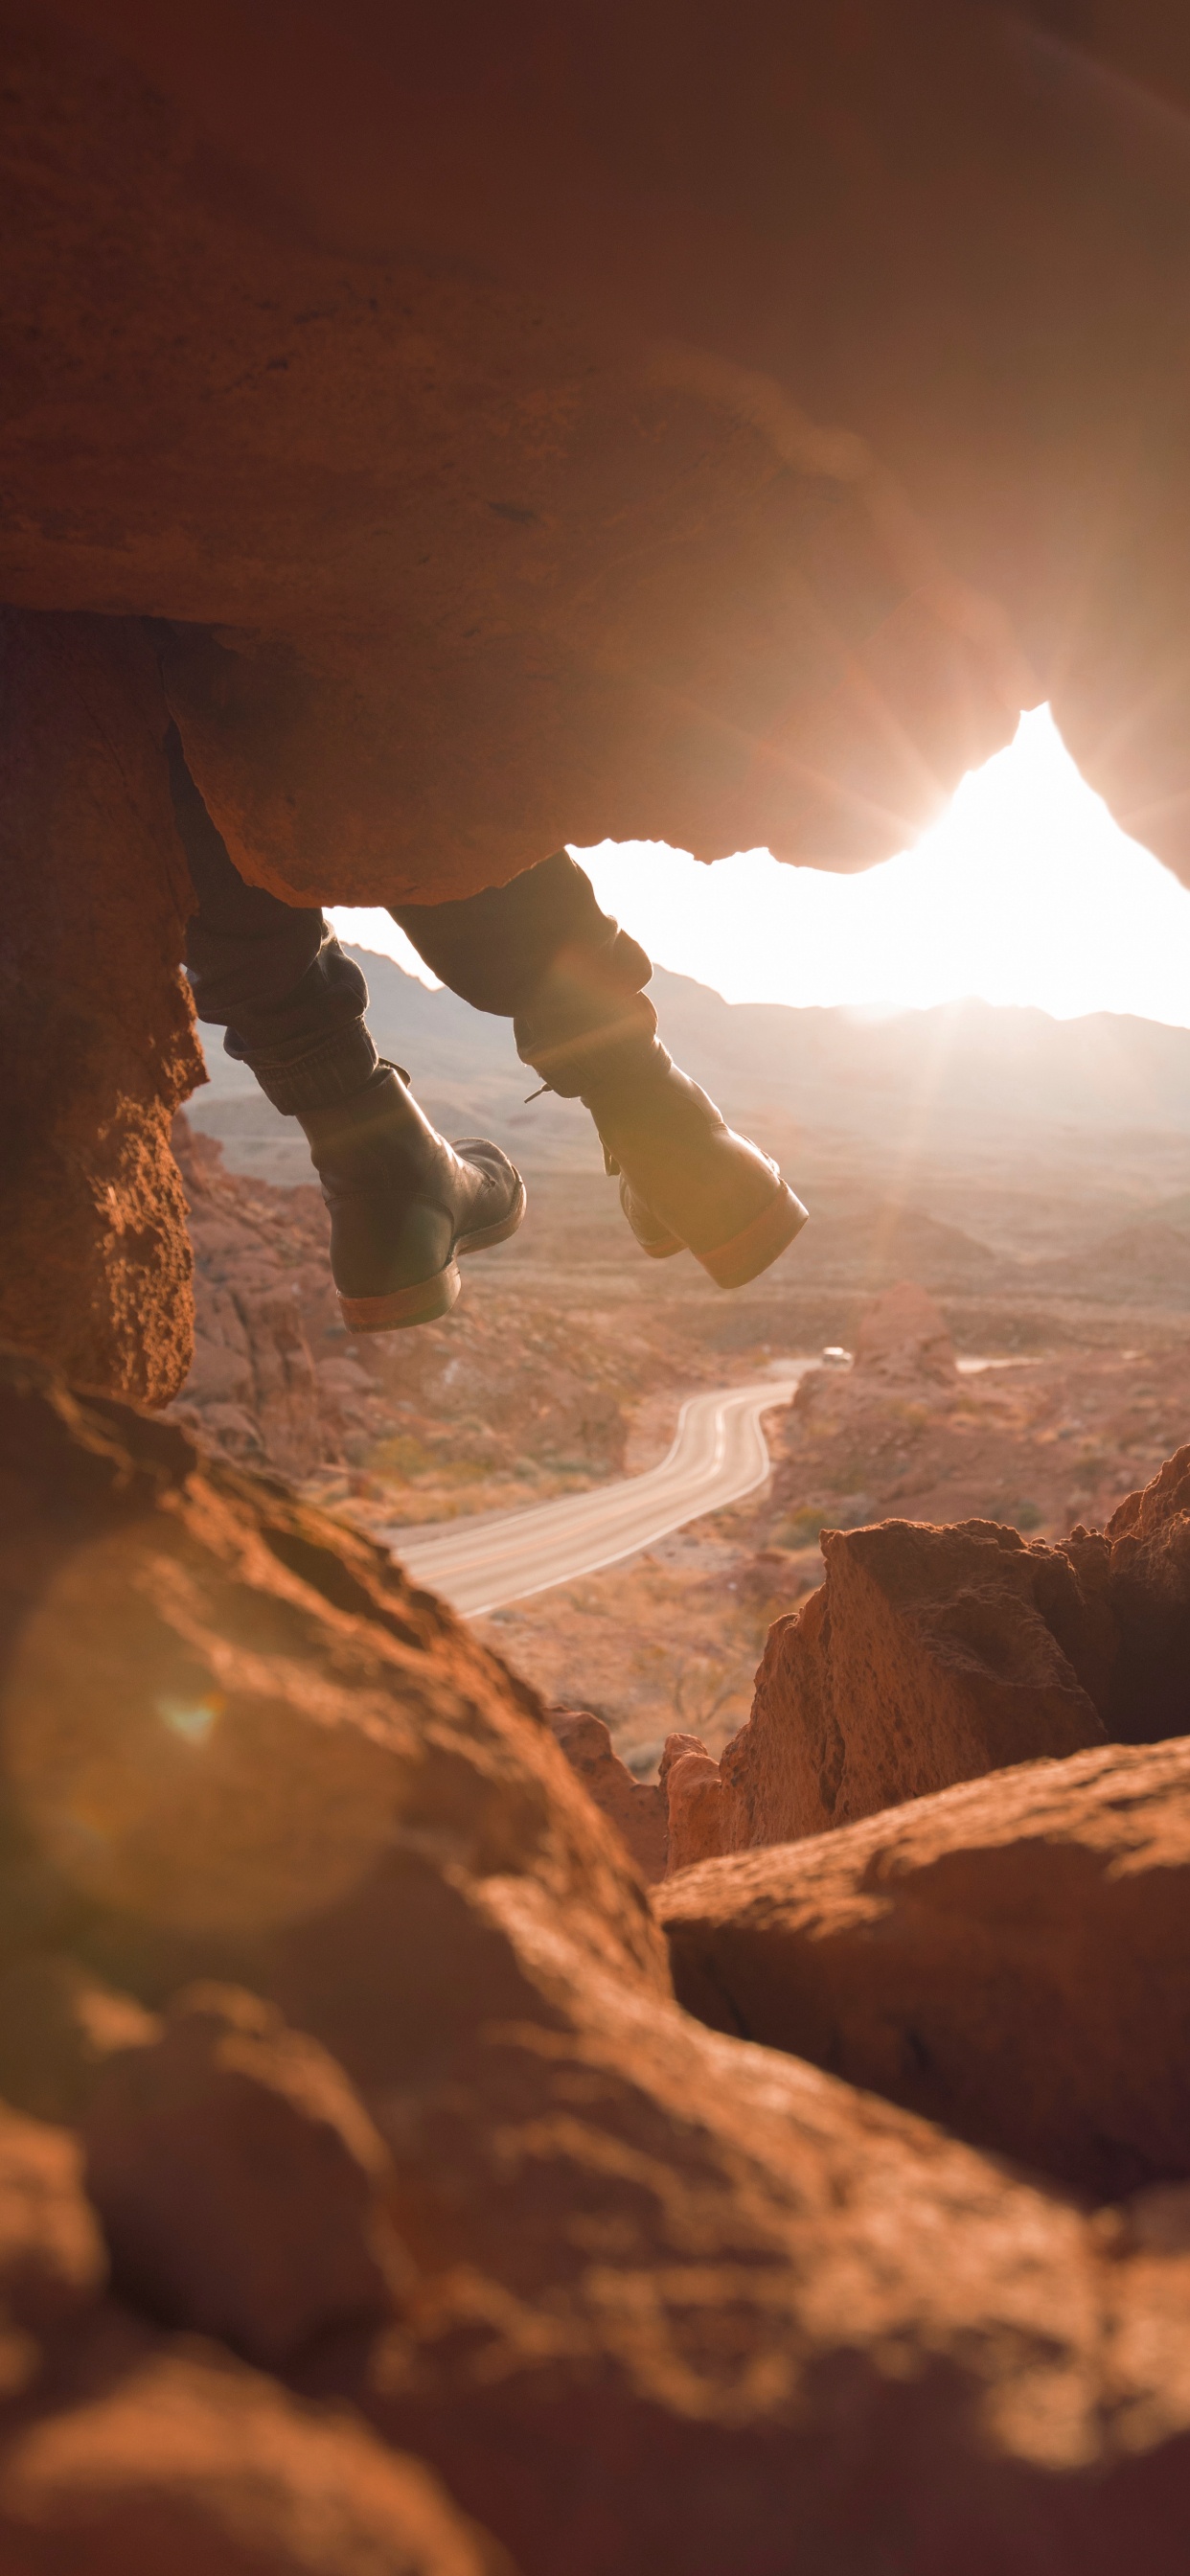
<point>932,1655</point>
<point>97,1041</point>
<point>262,1293</point>
<point>657,2270</point>
<point>1149,1591</point>
<point>240,2182</point>
<point>693,1788</point>
<point>1004,1958</point>
<point>152,2456</point>
<point>636,1809</point>
<point>927,1656</point>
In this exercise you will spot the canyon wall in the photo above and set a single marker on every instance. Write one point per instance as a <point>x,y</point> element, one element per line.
<point>97,1039</point>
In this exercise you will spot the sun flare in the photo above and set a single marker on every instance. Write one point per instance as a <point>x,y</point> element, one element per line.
<point>1025,892</point>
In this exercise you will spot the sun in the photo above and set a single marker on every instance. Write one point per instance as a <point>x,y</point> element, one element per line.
<point>1025,892</point>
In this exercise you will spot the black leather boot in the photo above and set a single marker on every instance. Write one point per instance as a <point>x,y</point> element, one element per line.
<point>404,1204</point>
<point>687,1181</point>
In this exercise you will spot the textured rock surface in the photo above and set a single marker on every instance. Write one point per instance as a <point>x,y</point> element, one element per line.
<point>97,1041</point>
<point>1007,1958</point>
<point>490,569</point>
<point>52,2262</point>
<point>695,1801</point>
<point>262,1286</point>
<point>635,1808</point>
<point>158,2457</point>
<point>241,2184</point>
<point>927,1656</point>
<point>659,2272</point>
<point>1149,1591</point>
<point>58,2027</point>
<point>493,561</point>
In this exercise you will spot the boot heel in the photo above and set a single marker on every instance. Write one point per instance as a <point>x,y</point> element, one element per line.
<point>422,1303</point>
<point>733,1264</point>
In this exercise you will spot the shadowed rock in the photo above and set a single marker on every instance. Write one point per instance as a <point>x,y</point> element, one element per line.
<point>1008,1958</point>
<point>97,1039</point>
<point>58,2027</point>
<point>1149,1591</point>
<point>635,1808</point>
<point>52,2262</point>
<point>658,2270</point>
<point>927,1656</point>
<point>180,2459</point>
<point>240,2181</point>
<point>693,1786</point>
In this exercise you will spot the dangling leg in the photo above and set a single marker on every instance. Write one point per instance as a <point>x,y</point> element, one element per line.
<point>404,1204</point>
<point>541,951</point>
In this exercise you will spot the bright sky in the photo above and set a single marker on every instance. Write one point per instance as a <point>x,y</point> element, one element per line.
<point>1026,891</point>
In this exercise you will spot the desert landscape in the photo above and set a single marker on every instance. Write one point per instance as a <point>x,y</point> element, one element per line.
<point>1034,1200</point>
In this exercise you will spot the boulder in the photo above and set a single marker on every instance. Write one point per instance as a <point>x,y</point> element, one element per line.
<point>1006,1958</point>
<point>677,2296</point>
<point>636,1808</point>
<point>241,2184</point>
<point>59,2025</point>
<point>928,1655</point>
<point>178,2458</point>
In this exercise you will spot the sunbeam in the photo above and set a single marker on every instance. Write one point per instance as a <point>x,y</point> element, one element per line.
<point>1025,892</point>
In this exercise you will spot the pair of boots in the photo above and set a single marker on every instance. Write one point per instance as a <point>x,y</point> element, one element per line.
<point>405,1205</point>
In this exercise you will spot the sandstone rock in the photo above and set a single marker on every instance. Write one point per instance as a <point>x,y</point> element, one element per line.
<point>693,1788</point>
<point>927,1656</point>
<point>97,1041</point>
<point>636,1809</point>
<point>52,2262</point>
<point>240,2181</point>
<point>677,2296</point>
<point>1149,1592</point>
<point>184,2461</point>
<point>254,1388</point>
<point>1007,1958</point>
<point>58,2027</point>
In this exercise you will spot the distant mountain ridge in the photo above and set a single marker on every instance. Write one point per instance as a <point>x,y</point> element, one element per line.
<point>960,1074</point>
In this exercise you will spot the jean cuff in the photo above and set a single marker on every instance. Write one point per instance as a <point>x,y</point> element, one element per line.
<point>332,1072</point>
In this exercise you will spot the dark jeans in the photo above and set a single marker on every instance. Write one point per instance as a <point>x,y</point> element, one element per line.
<point>292,1002</point>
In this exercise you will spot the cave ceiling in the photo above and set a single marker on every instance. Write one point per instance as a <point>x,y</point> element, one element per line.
<point>708,424</point>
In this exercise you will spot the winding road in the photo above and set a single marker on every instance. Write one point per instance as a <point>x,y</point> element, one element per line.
<point>718,1455</point>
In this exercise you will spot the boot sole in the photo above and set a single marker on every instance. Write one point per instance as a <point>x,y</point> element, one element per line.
<point>427,1300</point>
<point>733,1264</point>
